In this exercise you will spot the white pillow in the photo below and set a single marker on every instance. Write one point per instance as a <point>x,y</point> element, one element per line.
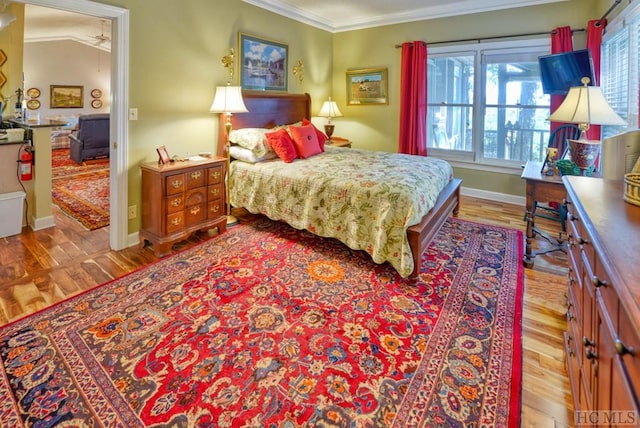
<point>252,139</point>
<point>246,155</point>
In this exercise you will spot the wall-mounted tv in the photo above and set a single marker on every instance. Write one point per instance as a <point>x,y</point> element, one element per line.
<point>559,72</point>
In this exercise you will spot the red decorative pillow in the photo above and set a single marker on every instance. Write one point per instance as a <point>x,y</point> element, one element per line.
<point>281,143</point>
<point>305,140</point>
<point>322,138</point>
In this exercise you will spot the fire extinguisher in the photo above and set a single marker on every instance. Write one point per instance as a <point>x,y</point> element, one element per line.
<point>26,163</point>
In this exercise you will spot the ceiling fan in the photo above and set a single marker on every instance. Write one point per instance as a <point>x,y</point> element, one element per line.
<point>101,38</point>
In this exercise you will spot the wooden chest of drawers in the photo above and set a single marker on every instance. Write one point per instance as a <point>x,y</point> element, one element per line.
<point>602,340</point>
<point>181,198</point>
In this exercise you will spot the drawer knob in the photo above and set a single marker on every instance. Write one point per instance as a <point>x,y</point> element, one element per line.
<point>582,241</point>
<point>621,349</point>
<point>590,354</point>
<point>587,342</point>
<point>597,282</point>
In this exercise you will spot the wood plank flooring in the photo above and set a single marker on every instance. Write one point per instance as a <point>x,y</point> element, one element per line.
<point>40,268</point>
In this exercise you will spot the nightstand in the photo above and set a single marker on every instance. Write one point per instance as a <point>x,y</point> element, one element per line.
<point>339,142</point>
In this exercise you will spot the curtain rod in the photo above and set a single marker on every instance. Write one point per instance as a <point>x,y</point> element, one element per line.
<point>479,39</point>
<point>613,6</point>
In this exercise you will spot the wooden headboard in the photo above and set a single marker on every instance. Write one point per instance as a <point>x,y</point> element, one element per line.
<point>266,110</point>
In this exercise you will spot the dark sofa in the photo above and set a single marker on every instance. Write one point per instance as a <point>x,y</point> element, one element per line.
<point>92,139</point>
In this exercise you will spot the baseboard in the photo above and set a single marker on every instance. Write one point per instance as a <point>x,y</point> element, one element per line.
<point>42,222</point>
<point>133,239</point>
<point>493,196</point>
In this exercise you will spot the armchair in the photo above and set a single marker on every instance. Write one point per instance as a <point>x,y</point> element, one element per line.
<point>92,139</point>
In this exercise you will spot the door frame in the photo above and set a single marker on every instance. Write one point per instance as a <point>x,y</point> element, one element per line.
<point>119,125</point>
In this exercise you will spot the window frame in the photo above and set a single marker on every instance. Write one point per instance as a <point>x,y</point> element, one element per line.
<point>474,159</point>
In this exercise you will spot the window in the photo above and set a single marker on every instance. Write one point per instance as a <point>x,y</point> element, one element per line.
<point>485,103</point>
<point>619,69</point>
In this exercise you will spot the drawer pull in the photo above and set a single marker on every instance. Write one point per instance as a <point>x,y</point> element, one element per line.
<point>582,241</point>
<point>570,316</point>
<point>215,175</point>
<point>195,210</point>
<point>215,208</point>
<point>176,202</point>
<point>176,221</point>
<point>176,184</point>
<point>590,354</point>
<point>597,282</point>
<point>195,175</point>
<point>586,342</point>
<point>621,349</point>
<point>215,192</point>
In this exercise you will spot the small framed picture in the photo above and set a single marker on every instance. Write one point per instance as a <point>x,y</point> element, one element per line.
<point>163,155</point>
<point>367,86</point>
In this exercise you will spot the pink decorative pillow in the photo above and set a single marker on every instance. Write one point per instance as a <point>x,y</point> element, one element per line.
<point>281,143</point>
<point>305,140</point>
<point>322,138</point>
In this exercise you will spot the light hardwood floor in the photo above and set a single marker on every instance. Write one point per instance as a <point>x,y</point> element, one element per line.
<point>43,267</point>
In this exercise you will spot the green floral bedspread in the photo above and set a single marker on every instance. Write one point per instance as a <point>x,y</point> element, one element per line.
<point>363,198</point>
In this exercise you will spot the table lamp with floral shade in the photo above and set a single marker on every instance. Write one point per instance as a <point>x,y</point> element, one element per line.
<point>585,105</point>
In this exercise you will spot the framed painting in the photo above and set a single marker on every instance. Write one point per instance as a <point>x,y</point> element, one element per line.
<point>65,96</point>
<point>367,86</point>
<point>262,63</point>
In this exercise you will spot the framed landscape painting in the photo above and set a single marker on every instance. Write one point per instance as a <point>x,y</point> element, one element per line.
<point>367,86</point>
<point>64,96</point>
<point>263,63</point>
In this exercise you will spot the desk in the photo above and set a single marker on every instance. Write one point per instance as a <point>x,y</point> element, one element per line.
<point>539,188</point>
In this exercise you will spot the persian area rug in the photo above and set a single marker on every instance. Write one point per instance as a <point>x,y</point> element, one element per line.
<point>81,191</point>
<point>268,326</point>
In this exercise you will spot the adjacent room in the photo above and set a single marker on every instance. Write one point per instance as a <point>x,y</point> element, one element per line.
<point>341,213</point>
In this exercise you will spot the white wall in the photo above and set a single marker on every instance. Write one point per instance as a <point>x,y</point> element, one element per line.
<point>67,63</point>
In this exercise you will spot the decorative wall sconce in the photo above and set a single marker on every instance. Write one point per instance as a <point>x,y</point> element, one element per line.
<point>297,71</point>
<point>227,61</point>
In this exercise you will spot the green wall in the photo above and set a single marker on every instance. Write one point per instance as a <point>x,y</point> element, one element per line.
<point>377,126</point>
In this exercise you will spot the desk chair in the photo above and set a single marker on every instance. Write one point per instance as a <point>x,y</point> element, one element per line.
<point>558,139</point>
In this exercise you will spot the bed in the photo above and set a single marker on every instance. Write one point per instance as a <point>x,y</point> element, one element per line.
<point>332,195</point>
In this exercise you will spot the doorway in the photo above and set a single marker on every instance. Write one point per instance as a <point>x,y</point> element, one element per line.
<point>118,235</point>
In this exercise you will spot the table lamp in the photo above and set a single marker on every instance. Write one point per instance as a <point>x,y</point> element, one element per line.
<point>228,100</point>
<point>585,105</point>
<point>330,110</point>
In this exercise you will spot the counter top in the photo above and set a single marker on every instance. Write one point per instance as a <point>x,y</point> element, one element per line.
<point>45,123</point>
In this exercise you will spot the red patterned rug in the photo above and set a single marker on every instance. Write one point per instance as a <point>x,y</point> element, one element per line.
<point>81,191</point>
<point>268,326</point>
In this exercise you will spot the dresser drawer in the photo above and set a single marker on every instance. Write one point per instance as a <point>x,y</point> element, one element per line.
<point>175,203</point>
<point>215,175</point>
<point>195,178</point>
<point>216,209</point>
<point>194,214</point>
<point>175,222</point>
<point>629,341</point>
<point>215,191</point>
<point>174,184</point>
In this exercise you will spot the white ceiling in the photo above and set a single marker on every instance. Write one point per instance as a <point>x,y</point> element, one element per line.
<point>47,24</point>
<point>344,15</point>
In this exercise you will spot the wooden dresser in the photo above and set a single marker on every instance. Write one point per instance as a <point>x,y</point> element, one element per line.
<point>181,198</point>
<point>602,341</point>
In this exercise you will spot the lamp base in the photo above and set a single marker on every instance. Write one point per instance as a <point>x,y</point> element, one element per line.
<point>328,129</point>
<point>584,153</point>
<point>231,220</point>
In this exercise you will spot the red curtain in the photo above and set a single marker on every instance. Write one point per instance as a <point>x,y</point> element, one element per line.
<point>413,99</point>
<point>595,30</point>
<point>561,41</point>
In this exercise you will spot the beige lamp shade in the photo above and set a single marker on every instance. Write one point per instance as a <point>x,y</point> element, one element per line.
<point>330,109</point>
<point>586,105</point>
<point>228,99</point>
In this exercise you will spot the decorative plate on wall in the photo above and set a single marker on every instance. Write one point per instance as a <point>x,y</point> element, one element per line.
<point>33,104</point>
<point>33,92</point>
<point>96,93</point>
<point>96,103</point>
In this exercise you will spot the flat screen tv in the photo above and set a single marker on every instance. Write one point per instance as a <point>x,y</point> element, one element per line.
<point>559,72</point>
